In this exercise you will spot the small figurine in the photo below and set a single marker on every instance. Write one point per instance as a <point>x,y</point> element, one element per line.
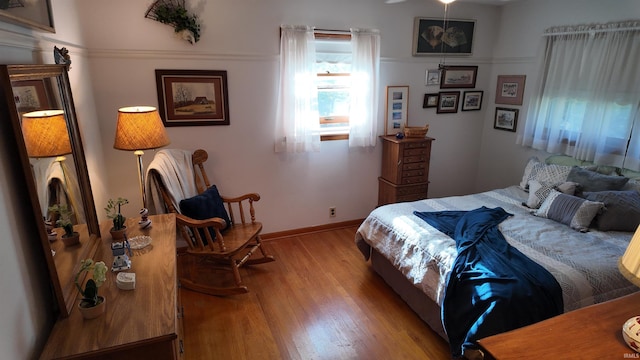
<point>144,222</point>
<point>121,260</point>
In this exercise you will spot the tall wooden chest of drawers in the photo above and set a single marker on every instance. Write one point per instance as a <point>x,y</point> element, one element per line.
<point>405,169</point>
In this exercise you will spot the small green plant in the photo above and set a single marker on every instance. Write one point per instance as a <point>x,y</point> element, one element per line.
<point>90,292</point>
<point>113,212</point>
<point>65,220</point>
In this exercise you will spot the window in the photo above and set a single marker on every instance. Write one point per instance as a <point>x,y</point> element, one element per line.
<point>333,79</point>
<point>588,104</point>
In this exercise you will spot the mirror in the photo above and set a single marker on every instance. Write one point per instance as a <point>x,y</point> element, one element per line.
<point>37,99</point>
<point>31,13</point>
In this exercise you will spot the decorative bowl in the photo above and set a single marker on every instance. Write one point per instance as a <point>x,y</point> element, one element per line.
<point>631,333</point>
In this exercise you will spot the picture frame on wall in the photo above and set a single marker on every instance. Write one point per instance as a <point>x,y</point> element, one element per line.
<point>397,108</point>
<point>32,95</point>
<point>454,77</point>
<point>432,77</point>
<point>430,100</point>
<point>510,89</point>
<point>506,119</point>
<point>193,97</point>
<point>434,36</point>
<point>472,100</point>
<point>448,102</point>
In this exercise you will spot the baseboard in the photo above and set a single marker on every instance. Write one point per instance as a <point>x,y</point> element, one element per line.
<point>311,229</point>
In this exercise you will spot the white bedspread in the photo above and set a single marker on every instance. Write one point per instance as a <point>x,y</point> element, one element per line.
<point>585,264</point>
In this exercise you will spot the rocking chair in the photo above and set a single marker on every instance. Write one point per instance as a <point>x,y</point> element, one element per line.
<point>213,243</point>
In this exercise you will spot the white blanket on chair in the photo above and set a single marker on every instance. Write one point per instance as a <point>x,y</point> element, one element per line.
<point>176,169</point>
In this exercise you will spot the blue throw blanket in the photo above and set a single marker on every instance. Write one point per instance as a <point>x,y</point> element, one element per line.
<point>492,287</point>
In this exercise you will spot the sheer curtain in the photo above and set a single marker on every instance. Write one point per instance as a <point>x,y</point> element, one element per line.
<point>365,67</point>
<point>587,102</point>
<point>297,128</point>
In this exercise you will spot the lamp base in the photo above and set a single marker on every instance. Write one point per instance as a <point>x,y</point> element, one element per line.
<point>144,222</point>
<point>631,333</point>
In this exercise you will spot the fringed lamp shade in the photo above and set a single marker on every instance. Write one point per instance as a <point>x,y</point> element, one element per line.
<point>629,264</point>
<point>139,128</point>
<point>45,133</point>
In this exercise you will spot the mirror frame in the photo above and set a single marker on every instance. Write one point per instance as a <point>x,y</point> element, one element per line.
<point>7,16</point>
<point>64,288</point>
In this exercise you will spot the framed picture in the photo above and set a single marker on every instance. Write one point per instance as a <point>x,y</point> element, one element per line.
<point>430,100</point>
<point>431,37</point>
<point>506,119</point>
<point>31,95</point>
<point>458,77</point>
<point>432,77</point>
<point>510,89</point>
<point>193,97</point>
<point>472,100</point>
<point>397,106</point>
<point>448,102</point>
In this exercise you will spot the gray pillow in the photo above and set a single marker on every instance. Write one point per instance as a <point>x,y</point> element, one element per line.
<point>593,181</point>
<point>569,210</point>
<point>621,213</point>
<point>539,191</point>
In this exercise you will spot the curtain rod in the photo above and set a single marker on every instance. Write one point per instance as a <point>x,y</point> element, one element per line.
<point>591,31</point>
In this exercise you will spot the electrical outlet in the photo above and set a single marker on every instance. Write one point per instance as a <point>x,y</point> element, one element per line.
<point>332,211</point>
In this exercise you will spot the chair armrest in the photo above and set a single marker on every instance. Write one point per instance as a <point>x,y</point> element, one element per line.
<point>250,196</point>
<point>197,233</point>
<point>215,222</point>
<point>237,205</point>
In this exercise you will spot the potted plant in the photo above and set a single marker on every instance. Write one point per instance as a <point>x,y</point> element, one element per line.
<point>91,305</point>
<point>65,221</point>
<point>113,212</point>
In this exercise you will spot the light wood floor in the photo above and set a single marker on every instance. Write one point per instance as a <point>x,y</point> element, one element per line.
<point>318,300</point>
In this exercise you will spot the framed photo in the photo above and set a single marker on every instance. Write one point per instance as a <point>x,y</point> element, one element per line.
<point>432,77</point>
<point>448,102</point>
<point>397,106</point>
<point>510,89</point>
<point>31,95</point>
<point>458,77</point>
<point>430,100</point>
<point>193,97</point>
<point>472,100</point>
<point>431,37</point>
<point>506,119</point>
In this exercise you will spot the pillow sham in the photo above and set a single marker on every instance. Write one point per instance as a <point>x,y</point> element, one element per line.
<point>527,171</point>
<point>621,212</point>
<point>569,210</point>
<point>549,173</point>
<point>592,181</point>
<point>538,191</point>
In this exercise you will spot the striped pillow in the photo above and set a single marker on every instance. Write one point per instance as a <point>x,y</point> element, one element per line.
<point>569,210</point>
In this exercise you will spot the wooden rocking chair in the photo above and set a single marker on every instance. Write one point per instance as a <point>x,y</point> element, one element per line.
<point>228,250</point>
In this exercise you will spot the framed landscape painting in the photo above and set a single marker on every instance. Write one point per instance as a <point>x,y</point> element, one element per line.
<point>193,97</point>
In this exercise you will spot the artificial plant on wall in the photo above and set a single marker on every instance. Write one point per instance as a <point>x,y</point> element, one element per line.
<point>174,13</point>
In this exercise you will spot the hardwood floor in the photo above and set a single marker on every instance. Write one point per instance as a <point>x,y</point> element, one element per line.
<point>318,300</point>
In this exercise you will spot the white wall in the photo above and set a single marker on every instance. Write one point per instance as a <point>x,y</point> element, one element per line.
<point>242,37</point>
<point>501,162</point>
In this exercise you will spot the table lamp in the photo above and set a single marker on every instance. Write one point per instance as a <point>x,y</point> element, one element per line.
<point>140,128</point>
<point>629,266</point>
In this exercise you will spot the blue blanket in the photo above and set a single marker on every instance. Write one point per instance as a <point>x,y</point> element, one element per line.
<point>492,287</point>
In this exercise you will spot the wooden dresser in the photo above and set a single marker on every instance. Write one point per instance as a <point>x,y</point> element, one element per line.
<point>405,169</point>
<point>144,323</point>
<point>592,332</point>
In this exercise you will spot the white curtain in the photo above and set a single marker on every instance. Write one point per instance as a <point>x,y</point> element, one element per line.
<point>365,68</point>
<point>297,128</point>
<point>587,102</point>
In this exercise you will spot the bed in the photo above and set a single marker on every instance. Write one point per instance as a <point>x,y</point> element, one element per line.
<point>415,259</point>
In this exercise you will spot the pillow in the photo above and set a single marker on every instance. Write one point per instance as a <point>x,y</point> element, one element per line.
<point>593,181</point>
<point>621,213</point>
<point>569,210</point>
<point>549,173</point>
<point>538,191</point>
<point>527,171</point>
<point>207,205</point>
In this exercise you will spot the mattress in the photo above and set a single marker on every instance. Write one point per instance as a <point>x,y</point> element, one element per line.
<point>584,264</point>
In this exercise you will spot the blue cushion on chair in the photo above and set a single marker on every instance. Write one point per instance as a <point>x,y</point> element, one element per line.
<point>207,205</point>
